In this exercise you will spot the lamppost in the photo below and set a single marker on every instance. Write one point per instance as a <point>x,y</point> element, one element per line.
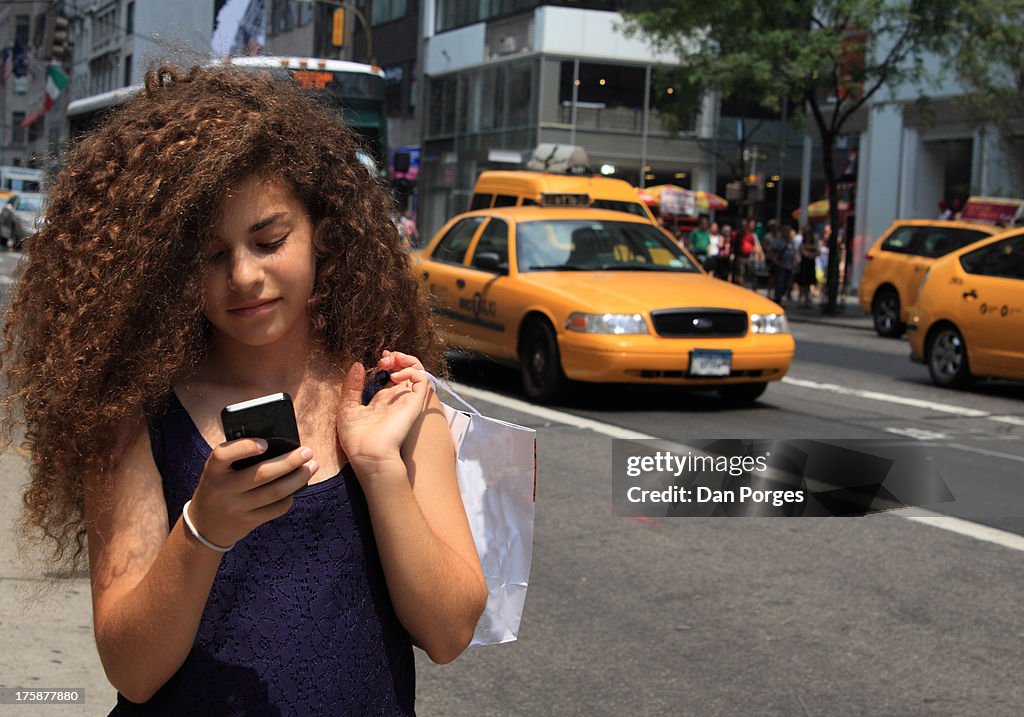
<point>348,7</point>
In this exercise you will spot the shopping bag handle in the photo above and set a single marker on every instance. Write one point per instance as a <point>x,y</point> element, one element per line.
<point>451,391</point>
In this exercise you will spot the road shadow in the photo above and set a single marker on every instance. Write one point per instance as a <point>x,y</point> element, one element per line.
<point>488,374</point>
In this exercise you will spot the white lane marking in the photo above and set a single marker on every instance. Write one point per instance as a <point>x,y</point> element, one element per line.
<point>986,452</point>
<point>550,414</point>
<point>920,434</point>
<point>1012,420</point>
<point>963,527</point>
<point>956,525</point>
<point>888,398</point>
<point>905,401</point>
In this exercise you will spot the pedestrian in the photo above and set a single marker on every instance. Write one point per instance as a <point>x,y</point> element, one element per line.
<point>214,240</point>
<point>700,239</point>
<point>746,249</point>
<point>779,251</point>
<point>723,262</point>
<point>797,239</point>
<point>714,247</point>
<point>945,213</point>
<point>807,273</point>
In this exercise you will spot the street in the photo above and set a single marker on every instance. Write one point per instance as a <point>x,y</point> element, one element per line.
<point>900,613</point>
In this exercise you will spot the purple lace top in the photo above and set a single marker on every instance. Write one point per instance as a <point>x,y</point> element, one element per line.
<point>298,621</point>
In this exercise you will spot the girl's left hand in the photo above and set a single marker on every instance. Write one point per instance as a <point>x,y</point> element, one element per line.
<point>372,435</point>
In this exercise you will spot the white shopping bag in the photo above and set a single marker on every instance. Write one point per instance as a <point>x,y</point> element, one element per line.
<point>496,466</point>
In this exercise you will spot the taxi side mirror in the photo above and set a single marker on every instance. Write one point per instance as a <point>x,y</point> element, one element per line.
<point>490,261</point>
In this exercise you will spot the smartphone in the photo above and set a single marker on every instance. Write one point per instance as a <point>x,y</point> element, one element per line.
<point>271,418</point>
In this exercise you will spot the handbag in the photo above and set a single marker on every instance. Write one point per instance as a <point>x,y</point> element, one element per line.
<point>496,467</point>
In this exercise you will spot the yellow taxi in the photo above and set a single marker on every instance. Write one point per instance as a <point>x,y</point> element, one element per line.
<point>516,188</point>
<point>897,262</point>
<point>969,317</point>
<point>597,296</point>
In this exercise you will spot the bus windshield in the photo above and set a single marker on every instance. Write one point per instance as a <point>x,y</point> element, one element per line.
<point>354,91</point>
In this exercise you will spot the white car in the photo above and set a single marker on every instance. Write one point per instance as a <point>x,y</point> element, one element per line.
<point>20,217</point>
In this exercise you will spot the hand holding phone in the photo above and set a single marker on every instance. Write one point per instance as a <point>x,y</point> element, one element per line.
<point>271,418</point>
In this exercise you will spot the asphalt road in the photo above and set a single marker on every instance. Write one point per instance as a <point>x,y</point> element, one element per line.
<point>878,615</point>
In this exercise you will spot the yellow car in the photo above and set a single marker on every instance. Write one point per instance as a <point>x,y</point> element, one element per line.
<point>598,296</point>
<point>897,262</point>
<point>969,316</point>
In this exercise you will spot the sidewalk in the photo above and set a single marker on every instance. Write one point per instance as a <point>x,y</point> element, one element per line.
<point>46,641</point>
<point>850,316</point>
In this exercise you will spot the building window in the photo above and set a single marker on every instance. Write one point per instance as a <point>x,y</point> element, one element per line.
<point>129,19</point>
<point>21,28</point>
<point>387,10</point>
<point>393,77</point>
<point>608,97</point>
<point>104,73</point>
<point>17,131</point>
<point>36,129</point>
<point>304,14</point>
<point>441,120</point>
<point>281,17</point>
<point>127,70</point>
<point>104,26</point>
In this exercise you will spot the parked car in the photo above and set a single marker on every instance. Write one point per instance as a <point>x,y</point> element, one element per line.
<point>597,296</point>
<point>898,260</point>
<point>20,216</point>
<point>969,317</point>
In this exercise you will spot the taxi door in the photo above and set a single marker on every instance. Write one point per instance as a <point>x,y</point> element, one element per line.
<point>483,298</point>
<point>991,302</point>
<point>444,273</point>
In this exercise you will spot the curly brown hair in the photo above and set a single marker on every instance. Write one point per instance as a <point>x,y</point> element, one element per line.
<point>108,311</point>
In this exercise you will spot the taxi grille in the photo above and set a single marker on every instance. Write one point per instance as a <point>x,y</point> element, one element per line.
<point>699,322</point>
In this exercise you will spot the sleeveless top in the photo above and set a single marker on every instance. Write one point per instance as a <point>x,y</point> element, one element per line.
<point>299,620</point>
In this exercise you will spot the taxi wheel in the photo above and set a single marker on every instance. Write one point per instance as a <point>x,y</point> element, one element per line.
<point>885,310</point>
<point>540,363</point>
<point>742,392</point>
<point>947,357</point>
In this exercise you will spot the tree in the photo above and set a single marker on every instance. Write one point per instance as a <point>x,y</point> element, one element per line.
<point>826,57</point>
<point>985,54</point>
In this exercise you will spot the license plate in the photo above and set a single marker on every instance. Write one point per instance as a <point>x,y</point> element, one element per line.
<point>710,363</point>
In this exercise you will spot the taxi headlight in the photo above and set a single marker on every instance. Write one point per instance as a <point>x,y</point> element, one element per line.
<point>769,324</point>
<point>606,323</point>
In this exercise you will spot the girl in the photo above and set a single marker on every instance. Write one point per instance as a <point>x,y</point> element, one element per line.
<point>216,240</point>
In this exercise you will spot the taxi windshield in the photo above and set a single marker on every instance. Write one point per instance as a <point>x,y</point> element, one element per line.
<point>588,245</point>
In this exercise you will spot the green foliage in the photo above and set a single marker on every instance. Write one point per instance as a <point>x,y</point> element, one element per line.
<point>801,50</point>
<point>985,51</point>
<point>828,56</point>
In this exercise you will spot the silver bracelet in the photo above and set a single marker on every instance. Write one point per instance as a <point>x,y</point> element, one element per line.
<point>198,535</point>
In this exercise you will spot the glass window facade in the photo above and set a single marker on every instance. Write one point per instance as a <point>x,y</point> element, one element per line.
<point>496,100</point>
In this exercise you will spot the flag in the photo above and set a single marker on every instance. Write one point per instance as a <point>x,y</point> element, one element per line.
<point>19,59</point>
<point>56,81</point>
<point>7,67</point>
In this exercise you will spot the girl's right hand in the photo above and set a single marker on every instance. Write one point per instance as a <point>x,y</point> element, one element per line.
<point>228,504</point>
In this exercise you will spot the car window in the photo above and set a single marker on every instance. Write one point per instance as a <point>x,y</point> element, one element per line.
<point>453,245</point>
<point>505,200</point>
<point>629,207</point>
<point>938,241</point>
<point>1004,258</point>
<point>480,201</point>
<point>900,240</point>
<point>494,240</point>
<point>587,245</point>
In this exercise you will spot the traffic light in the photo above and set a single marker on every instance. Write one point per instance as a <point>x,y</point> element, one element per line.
<point>56,43</point>
<point>338,28</point>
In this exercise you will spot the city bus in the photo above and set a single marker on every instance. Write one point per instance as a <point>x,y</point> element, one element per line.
<point>353,90</point>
